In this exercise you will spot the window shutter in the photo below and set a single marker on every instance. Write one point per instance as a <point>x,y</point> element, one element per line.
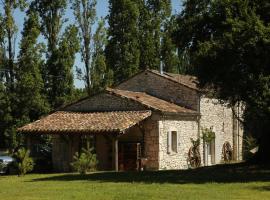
<point>169,142</point>
<point>177,141</point>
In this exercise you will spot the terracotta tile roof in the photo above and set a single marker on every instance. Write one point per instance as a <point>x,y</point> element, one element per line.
<point>151,101</point>
<point>74,122</point>
<point>186,80</point>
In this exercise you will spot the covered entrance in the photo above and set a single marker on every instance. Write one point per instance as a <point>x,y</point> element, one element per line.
<point>118,139</point>
<point>129,156</point>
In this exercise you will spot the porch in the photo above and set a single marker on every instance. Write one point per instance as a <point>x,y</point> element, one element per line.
<point>117,137</point>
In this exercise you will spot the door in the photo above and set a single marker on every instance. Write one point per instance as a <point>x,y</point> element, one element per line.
<point>128,156</point>
<point>210,153</point>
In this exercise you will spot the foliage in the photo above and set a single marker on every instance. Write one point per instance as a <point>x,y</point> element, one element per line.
<point>122,50</point>
<point>7,66</point>
<point>155,34</point>
<point>168,48</point>
<point>31,101</point>
<point>229,42</point>
<point>85,14</point>
<point>23,161</point>
<point>61,50</point>
<point>85,161</point>
<point>208,135</point>
<point>5,115</point>
<point>101,75</point>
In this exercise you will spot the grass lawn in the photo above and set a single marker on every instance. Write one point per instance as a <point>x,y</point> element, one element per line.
<point>238,181</point>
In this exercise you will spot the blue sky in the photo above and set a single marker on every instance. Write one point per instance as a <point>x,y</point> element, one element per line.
<point>102,11</point>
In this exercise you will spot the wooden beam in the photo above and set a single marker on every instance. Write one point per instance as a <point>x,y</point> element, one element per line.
<point>116,154</point>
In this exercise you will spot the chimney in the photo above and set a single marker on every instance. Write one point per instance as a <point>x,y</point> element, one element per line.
<point>161,67</point>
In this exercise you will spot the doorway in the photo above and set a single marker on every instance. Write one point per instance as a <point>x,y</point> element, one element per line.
<point>210,153</point>
<point>128,156</point>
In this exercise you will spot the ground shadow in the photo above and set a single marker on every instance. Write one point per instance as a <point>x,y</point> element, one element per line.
<point>233,173</point>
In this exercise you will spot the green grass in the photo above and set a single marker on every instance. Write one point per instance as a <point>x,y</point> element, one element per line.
<point>238,181</point>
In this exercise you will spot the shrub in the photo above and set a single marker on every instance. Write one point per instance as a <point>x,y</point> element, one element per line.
<point>23,162</point>
<point>85,162</point>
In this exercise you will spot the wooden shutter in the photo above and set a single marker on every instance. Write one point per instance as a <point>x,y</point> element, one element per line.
<point>169,142</point>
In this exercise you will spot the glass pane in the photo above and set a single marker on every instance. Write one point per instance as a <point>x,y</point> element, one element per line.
<point>174,141</point>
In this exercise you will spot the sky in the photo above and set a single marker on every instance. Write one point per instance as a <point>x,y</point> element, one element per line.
<point>102,11</point>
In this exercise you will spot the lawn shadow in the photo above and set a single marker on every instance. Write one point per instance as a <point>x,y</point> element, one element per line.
<point>233,173</point>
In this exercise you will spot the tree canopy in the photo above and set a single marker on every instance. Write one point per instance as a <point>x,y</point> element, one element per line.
<point>229,46</point>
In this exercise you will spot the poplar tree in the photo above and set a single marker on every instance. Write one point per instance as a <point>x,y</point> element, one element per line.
<point>168,50</point>
<point>10,31</point>
<point>155,14</point>
<point>101,76</point>
<point>85,15</point>
<point>31,101</point>
<point>122,50</point>
<point>8,35</point>
<point>56,72</point>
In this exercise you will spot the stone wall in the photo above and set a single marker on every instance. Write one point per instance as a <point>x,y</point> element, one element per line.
<point>186,129</point>
<point>162,88</point>
<point>151,144</point>
<point>220,118</point>
<point>104,102</point>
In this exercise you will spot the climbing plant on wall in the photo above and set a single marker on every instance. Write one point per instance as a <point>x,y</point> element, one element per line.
<point>208,135</point>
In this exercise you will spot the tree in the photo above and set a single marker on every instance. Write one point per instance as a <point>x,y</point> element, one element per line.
<point>168,48</point>
<point>10,30</point>
<point>85,14</point>
<point>23,161</point>
<point>31,101</point>
<point>122,50</point>
<point>57,70</point>
<point>148,57</point>
<point>69,45</point>
<point>85,161</point>
<point>101,76</point>
<point>154,28</point>
<point>7,69</point>
<point>229,45</point>
<point>5,115</point>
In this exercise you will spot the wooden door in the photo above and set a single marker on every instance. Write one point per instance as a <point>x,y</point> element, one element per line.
<point>128,156</point>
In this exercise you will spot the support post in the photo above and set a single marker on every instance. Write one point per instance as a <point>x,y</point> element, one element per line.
<point>116,154</point>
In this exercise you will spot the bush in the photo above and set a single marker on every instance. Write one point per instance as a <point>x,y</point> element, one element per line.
<point>85,162</point>
<point>23,162</point>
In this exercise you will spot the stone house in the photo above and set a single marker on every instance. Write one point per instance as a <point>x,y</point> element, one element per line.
<point>146,121</point>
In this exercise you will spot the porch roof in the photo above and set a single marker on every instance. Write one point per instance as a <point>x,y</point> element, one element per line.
<point>75,122</point>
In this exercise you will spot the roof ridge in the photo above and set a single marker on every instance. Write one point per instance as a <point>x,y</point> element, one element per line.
<point>95,112</point>
<point>171,78</point>
<point>119,92</point>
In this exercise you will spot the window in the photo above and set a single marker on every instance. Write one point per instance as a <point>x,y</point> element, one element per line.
<point>172,142</point>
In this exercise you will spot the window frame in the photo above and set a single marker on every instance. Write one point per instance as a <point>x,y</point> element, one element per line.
<point>172,144</point>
